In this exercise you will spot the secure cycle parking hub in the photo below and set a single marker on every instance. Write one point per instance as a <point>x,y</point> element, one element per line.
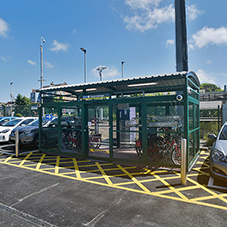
<point>134,120</point>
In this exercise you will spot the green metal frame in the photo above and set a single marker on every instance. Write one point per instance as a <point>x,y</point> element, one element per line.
<point>190,85</point>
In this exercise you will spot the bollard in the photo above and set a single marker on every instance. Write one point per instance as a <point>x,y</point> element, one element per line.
<point>183,161</point>
<point>17,143</point>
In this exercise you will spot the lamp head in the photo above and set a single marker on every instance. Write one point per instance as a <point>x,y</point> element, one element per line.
<point>84,50</point>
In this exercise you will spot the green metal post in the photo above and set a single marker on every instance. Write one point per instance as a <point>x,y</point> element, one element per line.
<point>85,136</point>
<point>140,120</point>
<point>186,117</point>
<point>144,129</point>
<point>40,126</point>
<point>118,126</point>
<point>111,131</point>
<point>59,128</point>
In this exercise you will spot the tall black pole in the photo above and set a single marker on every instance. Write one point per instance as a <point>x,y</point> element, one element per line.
<point>181,36</point>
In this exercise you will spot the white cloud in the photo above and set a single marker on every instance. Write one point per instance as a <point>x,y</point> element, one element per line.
<point>4,28</point>
<point>209,36</point>
<point>169,42</point>
<point>193,12</point>
<point>8,58</point>
<point>142,4</point>
<point>48,65</point>
<point>4,59</point>
<point>150,19</point>
<point>31,62</point>
<point>108,72</point>
<point>206,78</point>
<point>208,62</point>
<point>148,15</point>
<point>59,46</point>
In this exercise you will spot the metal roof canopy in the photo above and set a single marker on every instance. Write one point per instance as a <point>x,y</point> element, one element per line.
<point>148,84</point>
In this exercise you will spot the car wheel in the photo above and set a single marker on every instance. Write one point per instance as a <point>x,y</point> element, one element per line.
<point>36,141</point>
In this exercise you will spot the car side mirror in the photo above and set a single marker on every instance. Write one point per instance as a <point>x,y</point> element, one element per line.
<point>212,136</point>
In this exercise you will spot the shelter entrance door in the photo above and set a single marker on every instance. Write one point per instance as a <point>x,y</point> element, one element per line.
<point>98,131</point>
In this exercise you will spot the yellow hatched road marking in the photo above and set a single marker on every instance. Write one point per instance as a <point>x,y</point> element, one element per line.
<point>25,159</point>
<point>201,172</point>
<point>10,157</point>
<point>179,189</point>
<point>134,179</point>
<point>218,196</point>
<point>40,162</point>
<point>134,190</point>
<point>162,194</point>
<point>104,174</point>
<point>206,189</point>
<point>170,186</point>
<point>76,168</point>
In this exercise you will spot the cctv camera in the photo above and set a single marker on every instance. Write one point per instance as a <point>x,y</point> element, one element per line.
<point>179,97</point>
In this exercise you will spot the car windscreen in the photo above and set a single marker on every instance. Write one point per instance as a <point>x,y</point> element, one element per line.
<point>36,123</point>
<point>223,134</point>
<point>12,123</point>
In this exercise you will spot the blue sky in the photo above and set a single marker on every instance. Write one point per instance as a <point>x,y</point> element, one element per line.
<point>139,32</point>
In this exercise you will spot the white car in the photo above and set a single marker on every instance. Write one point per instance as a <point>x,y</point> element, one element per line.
<point>6,129</point>
<point>218,154</point>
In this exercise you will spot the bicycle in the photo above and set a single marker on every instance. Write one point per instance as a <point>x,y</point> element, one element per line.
<point>94,139</point>
<point>72,138</point>
<point>166,147</point>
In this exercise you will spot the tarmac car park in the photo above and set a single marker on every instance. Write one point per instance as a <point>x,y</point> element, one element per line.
<point>6,129</point>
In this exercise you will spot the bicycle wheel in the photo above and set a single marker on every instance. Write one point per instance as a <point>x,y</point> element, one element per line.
<point>64,140</point>
<point>139,152</point>
<point>176,156</point>
<point>151,153</point>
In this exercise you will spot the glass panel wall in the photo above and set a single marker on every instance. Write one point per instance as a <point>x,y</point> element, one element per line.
<point>165,122</point>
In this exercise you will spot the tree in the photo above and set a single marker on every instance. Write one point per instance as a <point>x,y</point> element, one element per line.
<point>21,101</point>
<point>22,105</point>
<point>210,87</point>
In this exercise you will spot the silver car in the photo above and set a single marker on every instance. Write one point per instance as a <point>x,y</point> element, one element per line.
<point>29,134</point>
<point>218,155</point>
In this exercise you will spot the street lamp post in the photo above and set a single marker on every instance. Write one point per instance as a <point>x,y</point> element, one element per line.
<point>41,69</point>
<point>11,98</point>
<point>85,51</point>
<point>41,62</point>
<point>122,68</point>
<point>100,69</point>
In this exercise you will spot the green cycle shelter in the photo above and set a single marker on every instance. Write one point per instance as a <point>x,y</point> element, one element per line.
<point>136,120</point>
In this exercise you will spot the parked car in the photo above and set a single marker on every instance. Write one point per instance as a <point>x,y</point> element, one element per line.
<point>29,134</point>
<point>3,120</point>
<point>6,129</point>
<point>218,155</point>
<point>50,133</point>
